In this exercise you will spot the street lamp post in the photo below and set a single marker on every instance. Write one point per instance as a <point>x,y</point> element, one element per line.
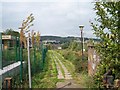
<point>81,29</point>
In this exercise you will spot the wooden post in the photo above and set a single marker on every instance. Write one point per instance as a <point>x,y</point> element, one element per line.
<point>21,64</point>
<point>8,83</point>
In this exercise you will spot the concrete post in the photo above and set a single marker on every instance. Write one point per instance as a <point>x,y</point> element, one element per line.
<point>29,66</point>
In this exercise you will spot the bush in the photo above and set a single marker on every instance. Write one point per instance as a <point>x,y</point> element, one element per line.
<point>85,81</point>
<point>76,60</point>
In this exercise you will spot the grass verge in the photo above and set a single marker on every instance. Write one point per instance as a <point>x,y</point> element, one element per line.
<point>47,78</point>
<point>57,59</point>
<point>82,78</point>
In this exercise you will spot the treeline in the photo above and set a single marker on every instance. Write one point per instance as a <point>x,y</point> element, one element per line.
<point>11,32</point>
<point>65,39</point>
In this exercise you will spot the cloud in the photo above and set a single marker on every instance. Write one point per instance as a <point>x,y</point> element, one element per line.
<point>51,18</point>
<point>0,16</point>
<point>46,0</point>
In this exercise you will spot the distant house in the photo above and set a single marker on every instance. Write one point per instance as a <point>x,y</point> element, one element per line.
<point>50,42</point>
<point>59,47</point>
<point>54,44</point>
<point>93,60</point>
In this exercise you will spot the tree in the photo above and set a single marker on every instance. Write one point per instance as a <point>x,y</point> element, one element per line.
<point>11,32</point>
<point>74,46</point>
<point>65,45</point>
<point>26,24</point>
<point>38,39</point>
<point>22,39</point>
<point>107,28</point>
<point>33,38</point>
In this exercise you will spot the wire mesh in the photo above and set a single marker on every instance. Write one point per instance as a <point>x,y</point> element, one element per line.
<point>14,53</point>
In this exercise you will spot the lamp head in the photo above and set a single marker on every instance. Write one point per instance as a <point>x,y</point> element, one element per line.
<point>81,26</point>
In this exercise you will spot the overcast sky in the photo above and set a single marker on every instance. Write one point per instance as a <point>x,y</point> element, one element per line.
<point>52,17</point>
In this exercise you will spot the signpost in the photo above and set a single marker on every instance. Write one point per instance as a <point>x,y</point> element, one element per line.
<point>6,37</point>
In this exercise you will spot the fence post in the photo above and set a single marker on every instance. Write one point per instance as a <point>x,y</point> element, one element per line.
<point>0,60</point>
<point>8,83</point>
<point>16,48</point>
<point>34,66</point>
<point>7,50</point>
<point>21,65</point>
<point>42,57</point>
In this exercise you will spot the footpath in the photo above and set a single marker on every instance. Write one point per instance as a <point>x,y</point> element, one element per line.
<point>66,78</point>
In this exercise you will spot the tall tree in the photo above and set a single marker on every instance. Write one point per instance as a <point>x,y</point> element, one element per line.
<point>11,32</point>
<point>33,38</point>
<point>107,28</point>
<point>26,24</point>
<point>22,39</point>
<point>38,39</point>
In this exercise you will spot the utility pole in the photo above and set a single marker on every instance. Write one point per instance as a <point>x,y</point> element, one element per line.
<point>81,29</point>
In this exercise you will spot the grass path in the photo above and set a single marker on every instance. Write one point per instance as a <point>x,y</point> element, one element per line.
<point>67,66</point>
<point>58,73</point>
<point>63,73</point>
<point>58,66</point>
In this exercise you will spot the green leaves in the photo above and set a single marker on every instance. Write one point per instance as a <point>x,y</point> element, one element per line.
<point>107,29</point>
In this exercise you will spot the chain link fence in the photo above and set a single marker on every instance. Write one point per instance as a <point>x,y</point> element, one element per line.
<point>15,59</point>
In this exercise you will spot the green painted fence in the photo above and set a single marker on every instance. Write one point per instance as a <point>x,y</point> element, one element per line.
<point>16,53</point>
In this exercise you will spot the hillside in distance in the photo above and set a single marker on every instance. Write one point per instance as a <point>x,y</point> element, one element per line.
<point>65,39</point>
